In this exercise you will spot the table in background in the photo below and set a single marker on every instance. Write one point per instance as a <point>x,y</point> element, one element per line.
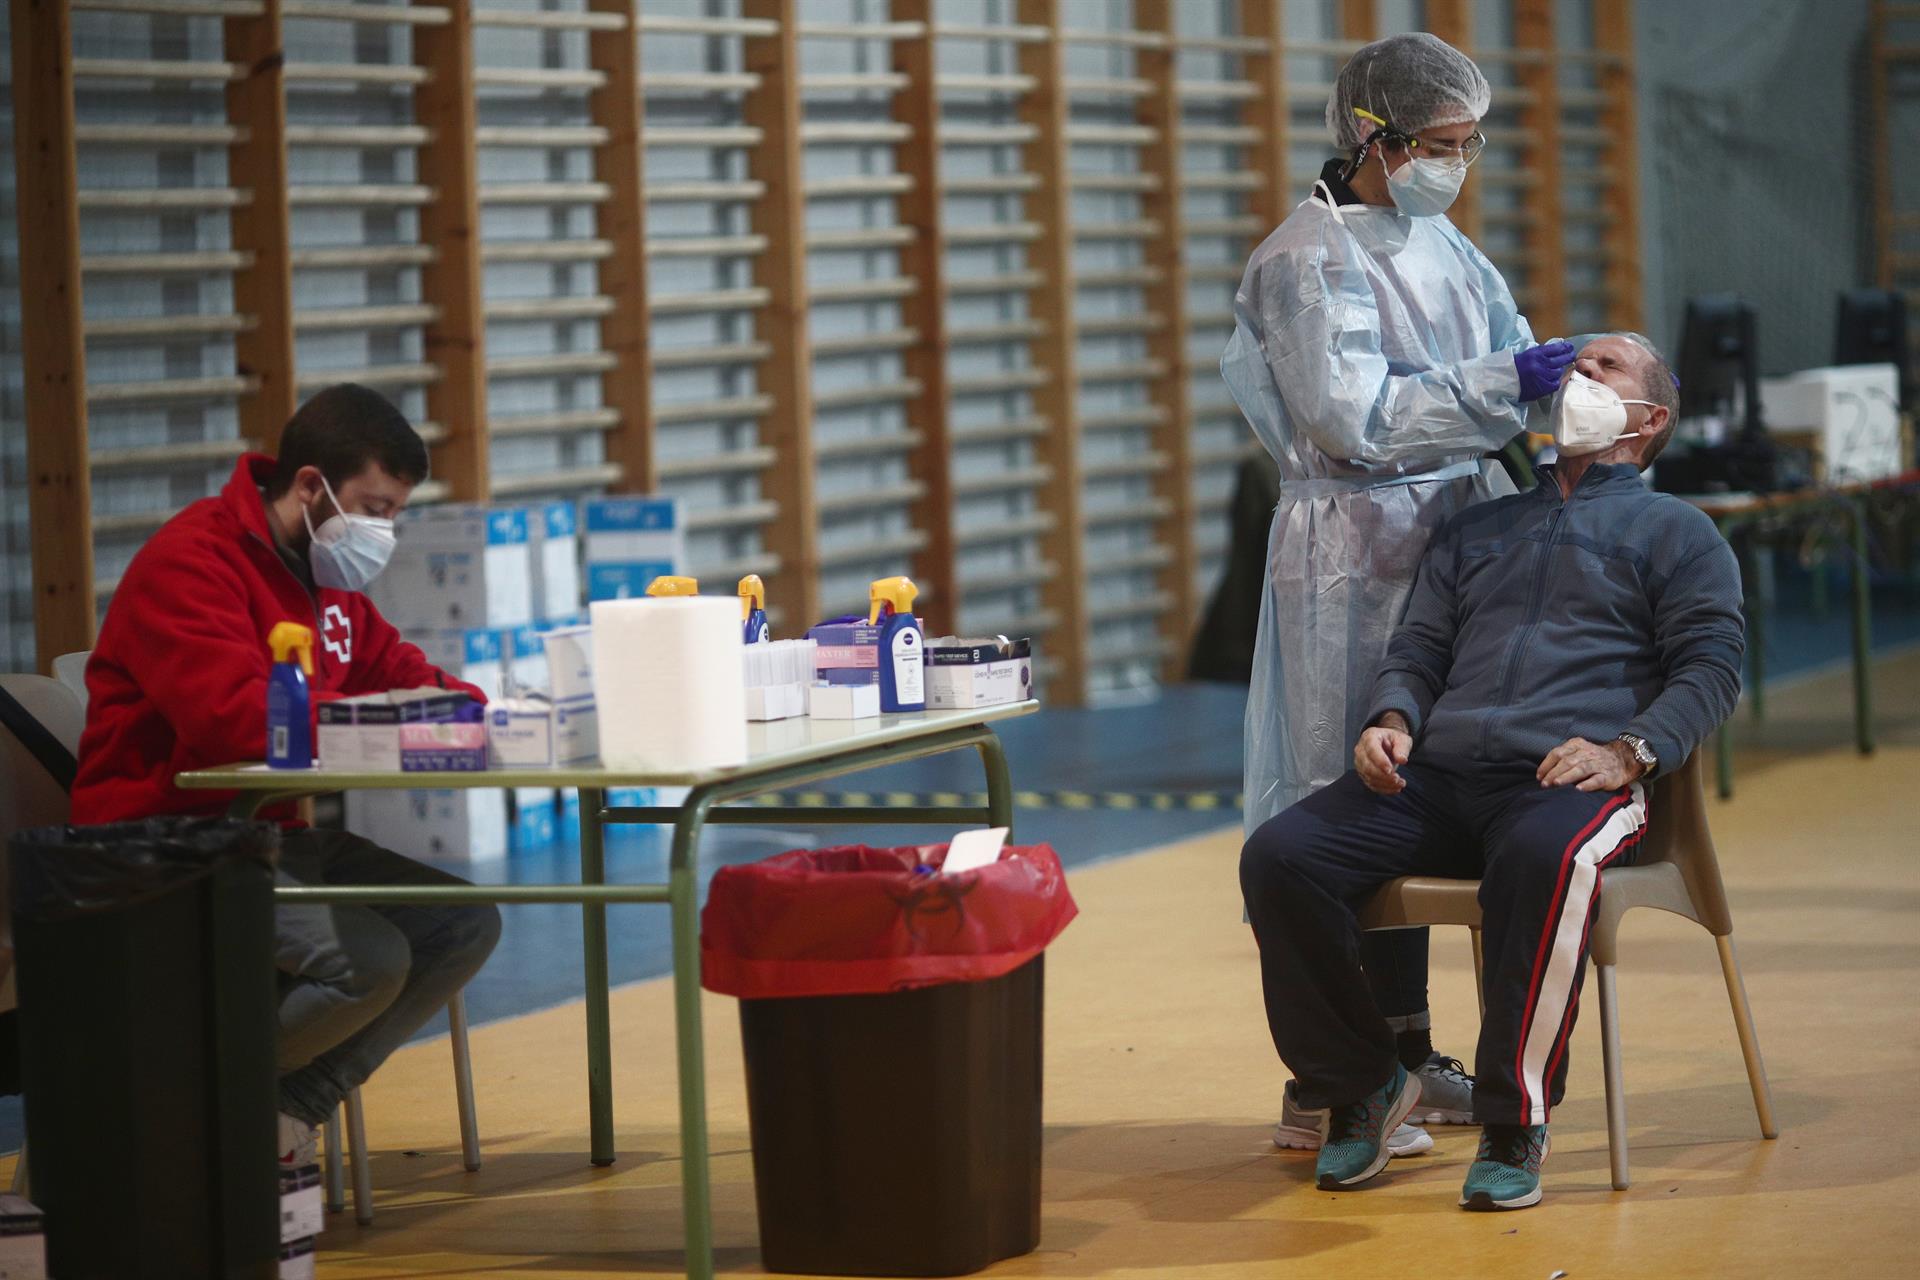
<point>781,754</point>
<point>1758,511</point>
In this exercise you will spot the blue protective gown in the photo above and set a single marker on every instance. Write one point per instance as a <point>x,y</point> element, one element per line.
<point>1373,355</point>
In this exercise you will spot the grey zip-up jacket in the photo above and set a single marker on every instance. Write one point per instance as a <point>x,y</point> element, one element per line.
<point>1536,619</point>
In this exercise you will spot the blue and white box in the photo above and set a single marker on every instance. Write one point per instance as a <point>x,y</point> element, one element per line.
<point>474,654</point>
<point>459,566</point>
<point>523,651</point>
<point>465,824</point>
<point>630,542</point>
<point>569,653</point>
<point>553,530</point>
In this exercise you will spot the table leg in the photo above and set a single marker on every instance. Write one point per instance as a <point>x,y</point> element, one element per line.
<point>993,757</point>
<point>683,889</point>
<point>593,930</point>
<point>1862,633</point>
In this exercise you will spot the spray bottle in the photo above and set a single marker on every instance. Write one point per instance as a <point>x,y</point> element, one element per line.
<point>753,609</point>
<point>289,720</point>
<point>670,585</point>
<point>903,675</point>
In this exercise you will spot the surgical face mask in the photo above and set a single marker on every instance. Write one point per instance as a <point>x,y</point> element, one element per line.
<point>348,551</point>
<point>1588,416</point>
<point>1426,188</point>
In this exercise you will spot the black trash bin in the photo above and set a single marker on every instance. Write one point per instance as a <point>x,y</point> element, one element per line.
<point>891,1021</point>
<point>147,1001</point>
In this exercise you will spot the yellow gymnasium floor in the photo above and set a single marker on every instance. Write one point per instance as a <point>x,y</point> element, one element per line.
<point>1161,1084</point>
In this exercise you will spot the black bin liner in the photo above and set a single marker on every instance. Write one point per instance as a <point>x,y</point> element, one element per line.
<point>897,1134</point>
<point>148,1002</point>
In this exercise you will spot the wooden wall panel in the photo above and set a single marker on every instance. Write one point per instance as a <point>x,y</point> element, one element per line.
<point>263,288</point>
<point>1620,233</point>
<point>621,220</point>
<point>1545,295</point>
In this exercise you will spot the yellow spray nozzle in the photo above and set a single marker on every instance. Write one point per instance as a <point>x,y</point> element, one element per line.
<point>753,595</point>
<point>891,594</point>
<point>672,585</point>
<point>289,638</point>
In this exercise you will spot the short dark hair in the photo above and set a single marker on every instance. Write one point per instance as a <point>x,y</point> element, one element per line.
<point>1658,384</point>
<point>342,429</point>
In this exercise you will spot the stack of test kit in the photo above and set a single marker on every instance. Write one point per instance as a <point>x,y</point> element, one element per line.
<point>403,731</point>
<point>970,672</point>
<point>846,680</point>
<point>778,674</point>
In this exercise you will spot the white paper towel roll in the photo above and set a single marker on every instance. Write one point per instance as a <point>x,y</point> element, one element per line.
<point>667,678</point>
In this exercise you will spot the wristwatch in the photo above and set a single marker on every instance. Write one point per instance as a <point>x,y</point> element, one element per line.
<point>1641,752</point>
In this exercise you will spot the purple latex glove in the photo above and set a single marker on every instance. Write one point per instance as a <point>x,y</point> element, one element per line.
<point>1540,367</point>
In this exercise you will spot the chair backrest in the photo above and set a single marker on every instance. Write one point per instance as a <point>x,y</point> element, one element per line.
<point>1677,832</point>
<point>31,795</point>
<point>70,669</point>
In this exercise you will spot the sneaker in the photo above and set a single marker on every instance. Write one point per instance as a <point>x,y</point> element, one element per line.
<point>1356,1147</point>
<point>1446,1093</point>
<point>1506,1173</point>
<point>299,1143</point>
<point>1301,1129</point>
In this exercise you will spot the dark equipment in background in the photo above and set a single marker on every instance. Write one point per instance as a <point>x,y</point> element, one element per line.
<point>1720,377</point>
<point>1872,329</point>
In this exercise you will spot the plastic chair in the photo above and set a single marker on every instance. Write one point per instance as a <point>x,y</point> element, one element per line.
<point>1677,871</point>
<point>70,669</point>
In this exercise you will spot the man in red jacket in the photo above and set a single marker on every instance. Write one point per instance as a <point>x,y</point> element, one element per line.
<point>178,681</point>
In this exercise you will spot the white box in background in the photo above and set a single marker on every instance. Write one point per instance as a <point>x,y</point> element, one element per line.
<point>569,653</point>
<point>969,672</point>
<point>454,825</point>
<point>523,652</point>
<point>458,566</point>
<point>475,654</point>
<point>553,533</point>
<point>303,1209</point>
<point>576,731</point>
<point>1850,411</point>
<point>536,818</point>
<point>628,542</point>
<point>297,1261</point>
<point>520,733</point>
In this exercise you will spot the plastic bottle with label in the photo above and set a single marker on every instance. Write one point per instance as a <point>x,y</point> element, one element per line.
<point>903,674</point>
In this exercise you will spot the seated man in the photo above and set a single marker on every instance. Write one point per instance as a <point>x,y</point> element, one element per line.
<point>179,681</point>
<point>1559,648</point>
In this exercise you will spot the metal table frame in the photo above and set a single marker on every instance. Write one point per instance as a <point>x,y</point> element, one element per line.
<point>257,788</point>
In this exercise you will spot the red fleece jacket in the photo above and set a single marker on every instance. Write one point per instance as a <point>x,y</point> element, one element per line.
<point>178,678</point>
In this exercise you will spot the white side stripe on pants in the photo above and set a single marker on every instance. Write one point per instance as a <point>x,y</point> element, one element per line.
<point>1556,986</point>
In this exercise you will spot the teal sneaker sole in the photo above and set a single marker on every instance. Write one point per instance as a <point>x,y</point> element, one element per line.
<point>1487,1202</point>
<point>1396,1114</point>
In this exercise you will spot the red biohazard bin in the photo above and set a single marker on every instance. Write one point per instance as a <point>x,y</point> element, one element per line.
<point>891,1020</point>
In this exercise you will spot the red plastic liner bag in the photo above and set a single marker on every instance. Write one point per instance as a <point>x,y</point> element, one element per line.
<point>861,921</point>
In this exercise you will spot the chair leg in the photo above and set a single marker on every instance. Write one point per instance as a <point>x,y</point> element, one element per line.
<point>1479,972</point>
<point>463,1082</point>
<point>1749,1040</point>
<point>335,1180</point>
<point>362,1166</point>
<point>1616,1082</point>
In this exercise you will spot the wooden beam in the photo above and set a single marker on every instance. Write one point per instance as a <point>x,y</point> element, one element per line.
<point>52,350</point>
<point>1359,20</point>
<point>924,314</point>
<point>257,160</point>
<point>456,340</point>
<point>618,107</point>
<point>1268,112</point>
<point>1452,21</point>
<point>1546,280</point>
<point>1620,233</point>
<point>780,215</point>
<point>1166,297</point>
<point>1050,302</point>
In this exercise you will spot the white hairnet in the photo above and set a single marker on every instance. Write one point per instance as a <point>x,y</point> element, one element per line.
<point>1414,81</point>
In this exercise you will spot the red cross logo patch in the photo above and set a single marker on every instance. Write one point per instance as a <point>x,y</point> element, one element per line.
<point>336,633</point>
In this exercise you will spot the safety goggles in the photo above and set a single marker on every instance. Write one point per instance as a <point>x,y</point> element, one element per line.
<point>1463,154</point>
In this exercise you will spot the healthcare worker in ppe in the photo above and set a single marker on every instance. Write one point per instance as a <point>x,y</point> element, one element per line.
<point>1378,355</point>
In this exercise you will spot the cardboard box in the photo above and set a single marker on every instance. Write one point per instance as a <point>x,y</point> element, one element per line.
<point>569,653</point>
<point>520,733</point>
<point>966,672</point>
<point>297,1261</point>
<point>303,1209</point>
<point>535,818</point>
<point>477,655</point>
<point>454,825</point>
<point>845,646</point>
<point>23,1240</point>
<point>523,656</point>
<point>444,746</point>
<point>362,734</point>
<point>628,542</point>
<point>553,536</point>
<point>1847,417</point>
<point>576,731</point>
<point>843,701</point>
<point>776,701</point>
<point>458,566</point>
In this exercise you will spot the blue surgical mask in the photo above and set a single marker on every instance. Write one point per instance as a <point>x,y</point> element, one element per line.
<point>348,552</point>
<point>1426,188</point>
